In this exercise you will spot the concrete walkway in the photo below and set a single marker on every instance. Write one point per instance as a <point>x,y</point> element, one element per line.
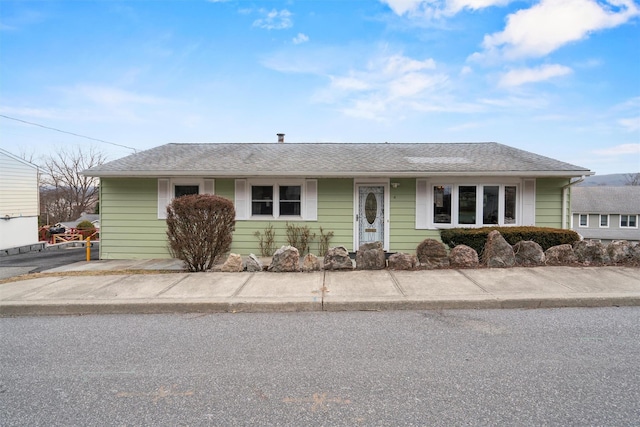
<point>97,288</point>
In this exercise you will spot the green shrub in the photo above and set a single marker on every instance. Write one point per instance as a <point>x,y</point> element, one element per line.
<point>200,229</point>
<point>477,237</point>
<point>86,228</point>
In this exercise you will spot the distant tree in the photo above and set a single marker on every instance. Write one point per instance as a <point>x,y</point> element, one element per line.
<point>64,192</point>
<point>632,179</point>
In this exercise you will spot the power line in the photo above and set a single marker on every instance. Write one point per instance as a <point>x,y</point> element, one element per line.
<point>69,133</point>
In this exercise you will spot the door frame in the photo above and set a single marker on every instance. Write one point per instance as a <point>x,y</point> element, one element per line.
<point>366,182</point>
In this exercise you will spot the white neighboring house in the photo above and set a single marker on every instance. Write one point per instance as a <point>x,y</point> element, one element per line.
<point>18,202</point>
<point>606,213</point>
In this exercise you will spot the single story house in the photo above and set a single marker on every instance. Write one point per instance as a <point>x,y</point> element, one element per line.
<point>19,203</point>
<point>606,213</point>
<point>398,193</point>
<point>92,218</point>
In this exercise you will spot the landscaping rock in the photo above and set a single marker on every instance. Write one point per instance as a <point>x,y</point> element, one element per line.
<point>528,252</point>
<point>311,263</point>
<point>560,255</point>
<point>463,256</point>
<point>432,254</point>
<point>634,254</point>
<point>402,261</point>
<point>591,252</point>
<point>370,256</point>
<point>497,252</point>
<point>253,264</point>
<point>233,264</point>
<point>619,252</point>
<point>285,259</point>
<point>338,259</point>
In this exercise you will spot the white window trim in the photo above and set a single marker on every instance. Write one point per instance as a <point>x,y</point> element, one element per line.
<point>479,183</point>
<point>627,226</point>
<point>308,199</point>
<point>167,190</point>
<point>580,222</point>
<point>600,220</point>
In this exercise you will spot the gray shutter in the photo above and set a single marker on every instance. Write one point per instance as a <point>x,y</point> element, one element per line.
<point>164,197</point>
<point>241,199</point>
<point>311,200</point>
<point>422,220</point>
<point>529,202</point>
<point>209,186</point>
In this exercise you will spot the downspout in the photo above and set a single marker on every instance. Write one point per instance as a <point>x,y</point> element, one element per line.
<point>565,194</point>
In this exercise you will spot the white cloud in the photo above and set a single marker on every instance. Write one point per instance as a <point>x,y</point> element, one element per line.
<point>439,8</point>
<point>522,76</point>
<point>274,19</point>
<point>551,24</point>
<point>631,124</point>
<point>618,150</point>
<point>300,38</point>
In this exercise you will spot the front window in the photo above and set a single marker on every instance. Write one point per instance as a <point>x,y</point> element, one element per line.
<point>276,200</point>
<point>262,200</point>
<point>290,199</point>
<point>467,204</point>
<point>185,190</point>
<point>628,221</point>
<point>474,204</point>
<point>442,204</point>
<point>604,221</point>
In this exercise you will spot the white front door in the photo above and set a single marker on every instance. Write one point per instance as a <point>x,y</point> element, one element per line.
<point>370,217</point>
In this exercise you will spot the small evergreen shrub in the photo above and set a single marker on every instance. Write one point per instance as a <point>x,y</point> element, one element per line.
<point>86,228</point>
<point>200,229</point>
<point>477,237</point>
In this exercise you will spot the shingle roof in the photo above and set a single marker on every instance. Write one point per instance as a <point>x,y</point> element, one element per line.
<point>335,159</point>
<point>606,200</point>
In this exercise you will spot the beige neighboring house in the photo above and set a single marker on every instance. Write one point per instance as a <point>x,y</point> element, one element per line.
<point>606,213</point>
<point>18,203</point>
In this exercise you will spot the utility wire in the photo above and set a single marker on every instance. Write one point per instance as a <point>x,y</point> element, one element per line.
<point>69,133</point>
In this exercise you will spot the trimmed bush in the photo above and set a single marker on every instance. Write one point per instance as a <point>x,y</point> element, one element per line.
<point>477,237</point>
<point>200,229</point>
<point>86,228</point>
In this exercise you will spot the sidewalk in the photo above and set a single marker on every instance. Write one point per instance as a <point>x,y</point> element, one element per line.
<point>70,291</point>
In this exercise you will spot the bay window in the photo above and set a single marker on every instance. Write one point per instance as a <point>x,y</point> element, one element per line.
<point>450,204</point>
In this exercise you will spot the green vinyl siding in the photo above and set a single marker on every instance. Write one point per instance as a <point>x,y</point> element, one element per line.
<point>129,224</point>
<point>403,236</point>
<point>549,201</point>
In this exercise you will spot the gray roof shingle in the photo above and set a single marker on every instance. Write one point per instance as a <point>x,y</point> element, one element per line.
<point>606,200</point>
<point>335,160</point>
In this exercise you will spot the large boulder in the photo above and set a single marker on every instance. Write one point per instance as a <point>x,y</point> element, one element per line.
<point>634,254</point>
<point>311,263</point>
<point>497,252</point>
<point>402,261</point>
<point>253,264</point>
<point>560,255</point>
<point>432,254</point>
<point>463,256</point>
<point>619,251</point>
<point>528,253</point>
<point>285,259</point>
<point>591,252</point>
<point>233,264</point>
<point>370,256</point>
<point>338,259</point>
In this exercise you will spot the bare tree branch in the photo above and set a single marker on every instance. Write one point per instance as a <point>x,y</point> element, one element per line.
<point>632,179</point>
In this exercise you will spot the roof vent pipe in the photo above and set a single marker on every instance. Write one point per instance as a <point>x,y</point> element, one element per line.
<point>280,137</point>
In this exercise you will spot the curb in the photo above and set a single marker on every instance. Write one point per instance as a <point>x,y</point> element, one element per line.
<point>169,307</point>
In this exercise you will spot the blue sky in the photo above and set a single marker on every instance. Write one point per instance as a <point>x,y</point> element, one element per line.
<point>559,78</point>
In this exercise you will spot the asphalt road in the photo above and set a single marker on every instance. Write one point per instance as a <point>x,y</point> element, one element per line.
<point>33,262</point>
<point>507,367</point>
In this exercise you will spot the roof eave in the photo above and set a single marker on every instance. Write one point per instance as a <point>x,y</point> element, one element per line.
<point>325,174</point>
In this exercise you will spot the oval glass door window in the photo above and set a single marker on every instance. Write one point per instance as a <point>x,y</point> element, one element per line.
<point>371,208</point>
